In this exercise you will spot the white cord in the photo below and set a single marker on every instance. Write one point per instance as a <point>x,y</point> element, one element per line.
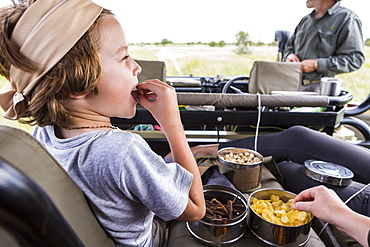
<point>350,198</point>
<point>258,121</point>
<point>355,194</point>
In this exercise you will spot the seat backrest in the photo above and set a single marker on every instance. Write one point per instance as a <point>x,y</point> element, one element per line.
<point>282,37</point>
<point>152,70</point>
<point>29,156</point>
<point>266,77</point>
<point>28,214</point>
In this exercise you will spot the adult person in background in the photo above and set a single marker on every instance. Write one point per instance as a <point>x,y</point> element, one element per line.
<point>327,42</point>
<point>327,206</point>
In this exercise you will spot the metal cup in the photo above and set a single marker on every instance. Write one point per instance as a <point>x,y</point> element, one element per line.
<point>330,86</point>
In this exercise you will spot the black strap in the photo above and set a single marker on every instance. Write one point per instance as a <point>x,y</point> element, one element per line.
<point>271,165</point>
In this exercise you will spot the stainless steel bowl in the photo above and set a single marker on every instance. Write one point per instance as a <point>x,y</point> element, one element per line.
<point>220,232</point>
<point>237,166</point>
<point>270,233</point>
<point>245,177</point>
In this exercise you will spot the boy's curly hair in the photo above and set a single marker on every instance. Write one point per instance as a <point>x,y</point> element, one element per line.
<point>77,73</point>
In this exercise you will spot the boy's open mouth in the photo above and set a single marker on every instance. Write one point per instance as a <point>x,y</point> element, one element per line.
<point>148,94</point>
<point>135,92</point>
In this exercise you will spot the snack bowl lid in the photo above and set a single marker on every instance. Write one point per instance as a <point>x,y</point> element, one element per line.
<point>328,173</point>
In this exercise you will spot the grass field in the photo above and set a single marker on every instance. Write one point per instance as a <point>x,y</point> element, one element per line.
<point>203,60</point>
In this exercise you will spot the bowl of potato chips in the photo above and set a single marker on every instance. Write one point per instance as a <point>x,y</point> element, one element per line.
<point>272,219</point>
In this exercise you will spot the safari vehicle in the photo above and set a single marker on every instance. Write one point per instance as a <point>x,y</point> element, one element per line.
<point>42,206</point>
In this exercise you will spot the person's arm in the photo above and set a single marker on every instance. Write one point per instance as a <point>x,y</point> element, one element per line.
<point>289,50</point>
<point>325,204</point>
<point>289,55</point>
<point>164,108</point>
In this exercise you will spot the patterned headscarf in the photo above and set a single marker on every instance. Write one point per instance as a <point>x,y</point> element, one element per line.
<point>46,31</point>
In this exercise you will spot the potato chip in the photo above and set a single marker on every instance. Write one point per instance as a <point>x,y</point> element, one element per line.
<point>279,212</point>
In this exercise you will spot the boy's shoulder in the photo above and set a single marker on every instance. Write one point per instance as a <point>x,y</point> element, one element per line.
<point>118,139</point>
<point>106,137</point>
<point>120,136</point>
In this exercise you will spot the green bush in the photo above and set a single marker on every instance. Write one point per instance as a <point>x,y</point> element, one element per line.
<point>243,43</point>
<point>367,42</point>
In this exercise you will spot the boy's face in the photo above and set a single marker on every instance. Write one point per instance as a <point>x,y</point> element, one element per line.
<point>119,75</point>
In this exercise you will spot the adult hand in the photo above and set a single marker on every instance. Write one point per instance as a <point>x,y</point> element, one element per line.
<point>292,58</point>
<point>324,203</point>
<point>327,206</point>
<point>309,65</point>
<point>204,150</point>
<point>201,150</point>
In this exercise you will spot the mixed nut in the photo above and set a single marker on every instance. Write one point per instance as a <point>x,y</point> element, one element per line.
<point>240,157</point>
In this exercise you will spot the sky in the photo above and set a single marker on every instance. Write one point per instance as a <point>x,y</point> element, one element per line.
<point>148,21</point>
<point>215,20</point>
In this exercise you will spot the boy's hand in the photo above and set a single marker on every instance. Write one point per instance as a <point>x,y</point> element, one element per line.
<point>161,100</point>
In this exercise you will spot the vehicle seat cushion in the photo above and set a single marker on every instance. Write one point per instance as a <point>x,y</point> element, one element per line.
<point>28,155</point>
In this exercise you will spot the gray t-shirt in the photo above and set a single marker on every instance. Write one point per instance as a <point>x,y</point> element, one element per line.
<point>125,181</point>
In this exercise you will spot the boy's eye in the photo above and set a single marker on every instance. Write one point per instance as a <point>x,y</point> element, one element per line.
<point>125,57</point>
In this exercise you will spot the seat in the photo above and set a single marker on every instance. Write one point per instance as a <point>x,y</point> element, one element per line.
<point>152,70</point>
<point>282,37</point>
<point>29,215</point>
<point>26,159</point>
<point>266,77</point>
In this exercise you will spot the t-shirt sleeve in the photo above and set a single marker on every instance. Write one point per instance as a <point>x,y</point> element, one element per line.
<point>162,187</point>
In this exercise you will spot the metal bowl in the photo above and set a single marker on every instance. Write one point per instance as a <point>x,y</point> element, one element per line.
<point>220,232</point>
<point>234,165</point>
<point>273,234</point>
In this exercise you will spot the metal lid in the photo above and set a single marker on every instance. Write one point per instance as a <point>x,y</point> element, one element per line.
<point>328,173</point>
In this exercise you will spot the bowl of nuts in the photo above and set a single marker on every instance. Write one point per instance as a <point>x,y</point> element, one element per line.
<point>242,166</point>
<point>239,158</point>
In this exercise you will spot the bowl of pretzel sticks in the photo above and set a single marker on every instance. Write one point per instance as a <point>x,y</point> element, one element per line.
<point>225,219</point>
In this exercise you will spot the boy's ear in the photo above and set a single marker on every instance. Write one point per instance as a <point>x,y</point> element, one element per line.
<point>73,96</point>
